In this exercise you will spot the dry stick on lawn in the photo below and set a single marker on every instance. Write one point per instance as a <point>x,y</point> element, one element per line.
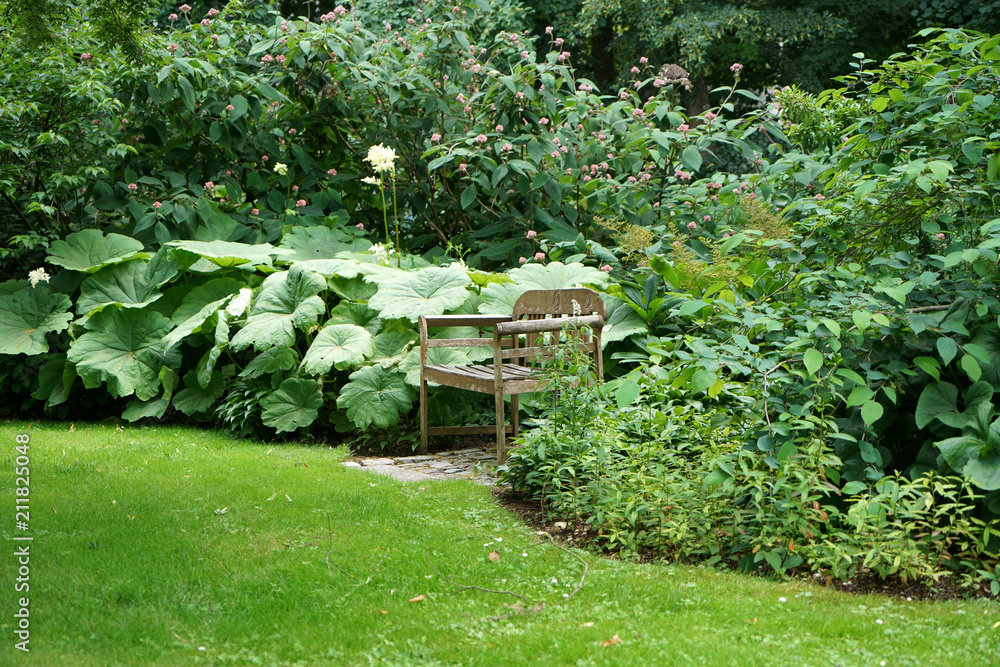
<point>329,536</point>
<point>586,568</point>
<point>463,587</point>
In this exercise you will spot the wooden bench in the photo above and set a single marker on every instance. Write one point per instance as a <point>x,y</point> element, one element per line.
<point>510,372</point>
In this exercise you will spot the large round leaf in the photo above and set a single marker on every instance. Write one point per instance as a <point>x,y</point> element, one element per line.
<point>90,250</point>
<point>286,300</point>
<point>556,275</point>
<point>320,242</point>
<point>124,347</point>
<point>376,395</point>
<point>410,294</point>
<point>130,285</point>
<point>356,313</point>
<point>27,315</point>
<point>338,344</point>
<point>202,295</point>
<point>227,253</point>
<point>938,400</point>
<point>295,404</point>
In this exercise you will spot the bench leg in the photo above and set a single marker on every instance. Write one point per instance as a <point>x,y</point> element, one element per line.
<point>515,416</point>
<point>501,430</point>
<point>423,416</point>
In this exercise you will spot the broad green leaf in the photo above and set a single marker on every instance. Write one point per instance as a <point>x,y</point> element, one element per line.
<point>390,346</point>
<point>157,407</point>
<point>691,158</point>
<point>8,287</point>
<point>930,366</point>
<point>27,315</point>
<point>269,361</point>
<point>971,367</point>
<point>852,488</point>
<point>832,325</point>
<point>622,321</point>
<point>627,393</point>
<point>195,399</point>
<point>499,298</point>
<point>813,360</point>
<point>936,400</point>
<point>947,348</point>
<point>352,289</point>
<point>294,405</point>
<point>436,356</point>
<point>356,313</point>
<point>689,308</point>
<point>980,392</point>
<point>898,292</point>
<point>123,347</point>
<point>287,300</point>
<point>871,412</point>
<point>862,319</point>
<point>984,470</point>
<point>319,242</point>
<point>90,250</point>
<point>55,380</point>
<point>940,169</point>
<point>702,380</point>
<point>376,396</point>
<point>556,275</point>
<point>339,345</point>
<point>787,450</point>
<point>410,294</point>
<point>129,285</point>
<point>342,268</point>
<point>193,323</point>
<point>228,253</point>
<point>859,395</point>
<point>214,291</point>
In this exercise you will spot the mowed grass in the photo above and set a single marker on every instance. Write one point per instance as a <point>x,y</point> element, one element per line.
<point>173,546</point>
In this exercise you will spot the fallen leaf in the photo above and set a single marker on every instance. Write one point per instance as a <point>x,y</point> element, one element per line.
<point>494,555</point>
<point>114,502</point>
<point>614,641</point>
<point>419,598</point>
<point>996,625</point>
<point>752,621</point>
<point>72,427</point>
<point>131,517</point>
<point>382,611</point>
<point>53,510</point>
<point>273,496</point>
<point>588,624</point>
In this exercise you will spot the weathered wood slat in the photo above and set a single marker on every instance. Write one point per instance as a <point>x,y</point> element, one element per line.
<point>459,342</point>
<point>552,324</point>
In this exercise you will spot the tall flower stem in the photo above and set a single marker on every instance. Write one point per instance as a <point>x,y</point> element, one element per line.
<point>385,219</point>
<point>395,219</point>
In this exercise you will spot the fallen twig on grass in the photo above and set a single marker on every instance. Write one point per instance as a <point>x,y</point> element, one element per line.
<point>465,587</point>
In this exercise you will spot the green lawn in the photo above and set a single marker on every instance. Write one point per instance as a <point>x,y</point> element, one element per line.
<point>172,546</point>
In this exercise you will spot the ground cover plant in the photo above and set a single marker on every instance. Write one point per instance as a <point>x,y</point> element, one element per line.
<point>168,545</point>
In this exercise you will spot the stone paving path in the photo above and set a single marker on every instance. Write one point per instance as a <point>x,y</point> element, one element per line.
<point>476,464</point>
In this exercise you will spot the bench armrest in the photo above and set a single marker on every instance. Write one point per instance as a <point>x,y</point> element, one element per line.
<point>553,324</point>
